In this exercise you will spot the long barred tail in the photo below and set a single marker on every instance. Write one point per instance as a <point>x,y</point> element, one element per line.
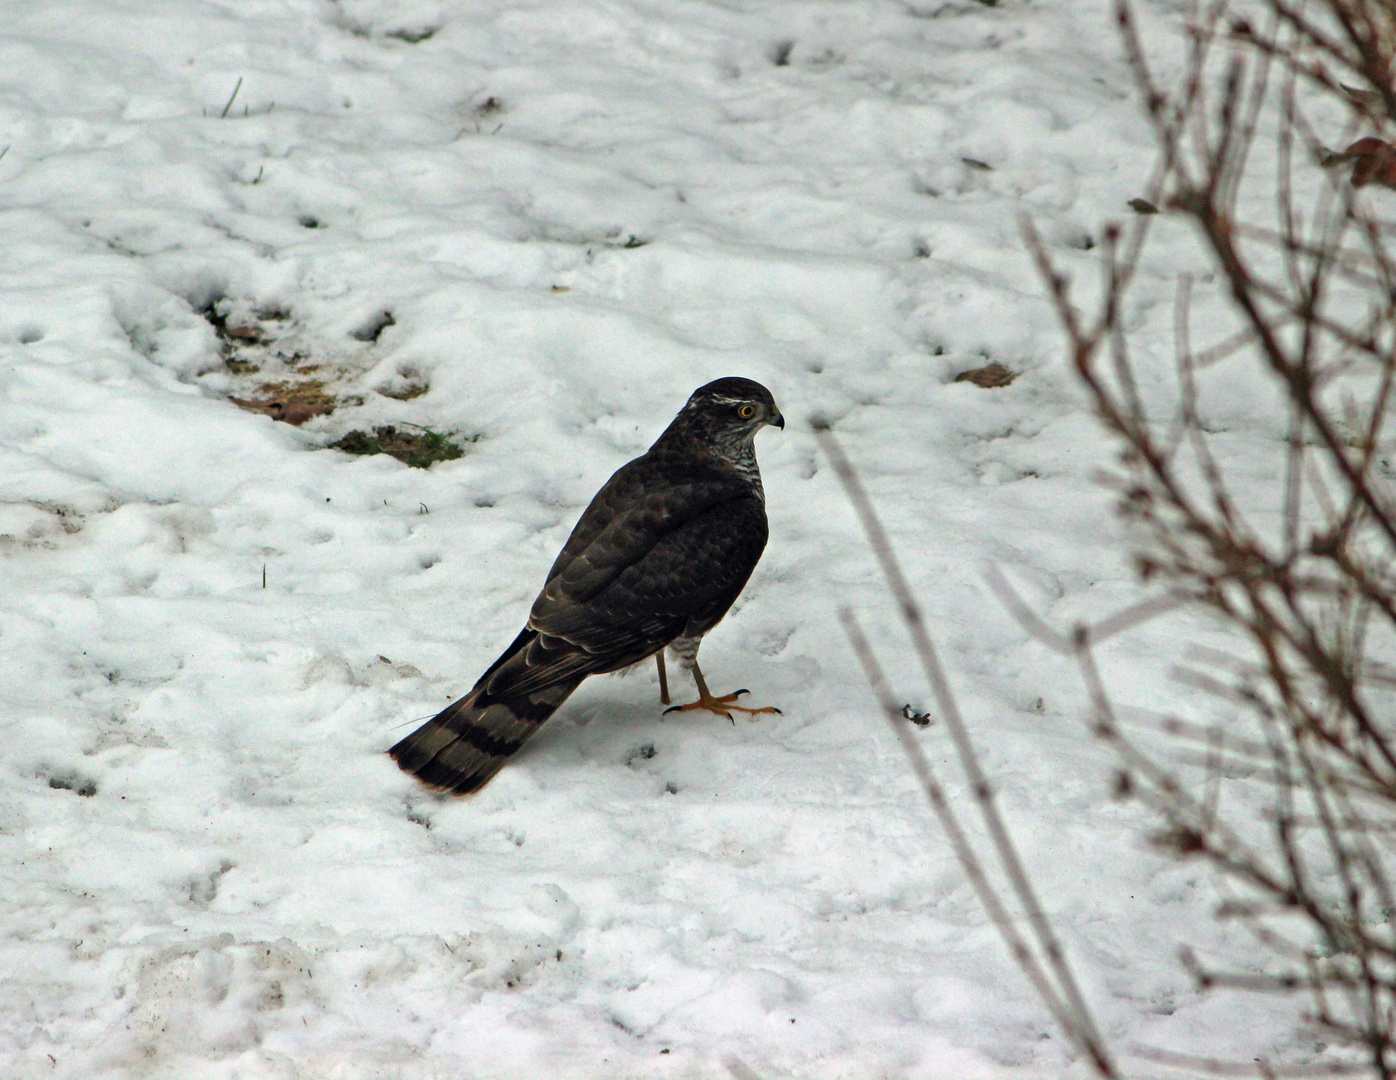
<point>464,745</point>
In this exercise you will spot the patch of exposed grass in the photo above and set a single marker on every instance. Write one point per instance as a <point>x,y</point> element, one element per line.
<point>420,449</point>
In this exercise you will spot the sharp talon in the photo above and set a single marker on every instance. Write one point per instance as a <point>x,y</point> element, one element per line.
<point>720,706</point>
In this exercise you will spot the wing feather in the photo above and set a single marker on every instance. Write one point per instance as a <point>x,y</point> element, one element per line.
<point>641,583</point>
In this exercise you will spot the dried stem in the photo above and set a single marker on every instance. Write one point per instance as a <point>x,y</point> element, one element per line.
<point>1047,968</point>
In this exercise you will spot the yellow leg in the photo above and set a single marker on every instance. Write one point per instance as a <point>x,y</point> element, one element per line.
<point>722,706</point>
<point>663,678</point>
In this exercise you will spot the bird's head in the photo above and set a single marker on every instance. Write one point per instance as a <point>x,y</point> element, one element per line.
<point>722,419</point>
<point>733,408</point>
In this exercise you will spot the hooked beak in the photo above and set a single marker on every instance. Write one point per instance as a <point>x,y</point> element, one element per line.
<point>777,420</point>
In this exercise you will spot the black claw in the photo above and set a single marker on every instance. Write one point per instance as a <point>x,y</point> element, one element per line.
<point>777,711</point>
<point>671,708</point>
<point>739,693</point>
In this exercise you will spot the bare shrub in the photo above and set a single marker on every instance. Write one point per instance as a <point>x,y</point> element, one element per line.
<point>1301,569</point>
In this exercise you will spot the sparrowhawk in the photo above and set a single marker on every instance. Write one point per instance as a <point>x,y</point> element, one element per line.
<point>656,560</point>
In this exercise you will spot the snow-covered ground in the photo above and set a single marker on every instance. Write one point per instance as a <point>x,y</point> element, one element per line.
<point>575,211</point>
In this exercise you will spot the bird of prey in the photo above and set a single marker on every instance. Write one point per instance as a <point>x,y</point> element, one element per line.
<point>656,560</point>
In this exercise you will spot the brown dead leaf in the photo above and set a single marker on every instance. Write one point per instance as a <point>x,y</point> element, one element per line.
<point>290,402</point>
<point>249,332</point>
<point>991,376</point>
<point>1374,162</point>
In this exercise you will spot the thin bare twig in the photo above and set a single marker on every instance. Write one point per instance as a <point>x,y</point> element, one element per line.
<point>1062,995</point>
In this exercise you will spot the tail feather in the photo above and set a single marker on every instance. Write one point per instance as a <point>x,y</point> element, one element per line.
<point>462,747</point>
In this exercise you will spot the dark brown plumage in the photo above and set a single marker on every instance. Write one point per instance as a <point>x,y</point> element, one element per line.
<point>656,560</point>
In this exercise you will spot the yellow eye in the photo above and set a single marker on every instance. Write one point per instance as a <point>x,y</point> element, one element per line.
<point>746,412</point>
